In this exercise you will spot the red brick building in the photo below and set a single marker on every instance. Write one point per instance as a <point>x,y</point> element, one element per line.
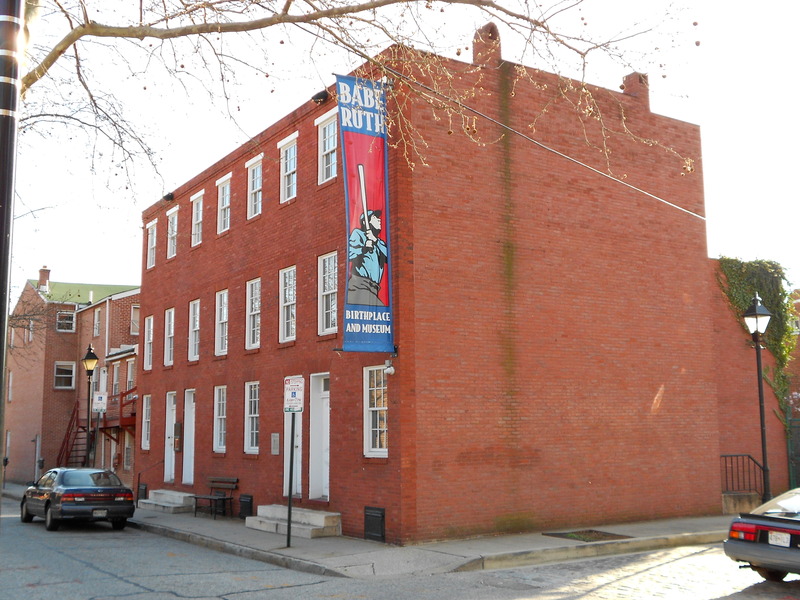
<point>50,329</point>
<point>559,333</point>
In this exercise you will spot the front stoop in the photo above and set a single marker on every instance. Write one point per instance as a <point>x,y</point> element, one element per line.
<point>740,502</point>
<point>306,523</point>
<point>168,501</point>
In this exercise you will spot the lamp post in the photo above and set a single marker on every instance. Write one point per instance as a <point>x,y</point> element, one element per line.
<point>757,317</point>
<point>89,363</point>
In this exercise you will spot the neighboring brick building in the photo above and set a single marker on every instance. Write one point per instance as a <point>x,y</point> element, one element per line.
<point>50,330</point>
<point>558,332</point>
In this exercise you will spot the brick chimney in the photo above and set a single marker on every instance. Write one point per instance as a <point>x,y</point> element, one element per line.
<point>638,86</point>
<point>44,279</point>
<point>486,46</point>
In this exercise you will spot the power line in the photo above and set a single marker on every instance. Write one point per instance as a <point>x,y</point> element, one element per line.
<point>538,143</point>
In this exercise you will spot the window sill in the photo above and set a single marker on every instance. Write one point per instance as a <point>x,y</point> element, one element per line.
<point>376,460</point>
<point>251,455</point>
<point>288,202</point>
<point>328,182</point>
<point>220,357</point>
<point>324,337</point>
<point>252,350</point>
<point>288,344</point>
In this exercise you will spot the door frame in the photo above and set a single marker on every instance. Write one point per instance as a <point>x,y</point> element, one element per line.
<point>319,444</point>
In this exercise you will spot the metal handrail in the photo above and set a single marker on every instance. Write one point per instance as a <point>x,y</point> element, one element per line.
<point>70,435</point>
<point>741,473</point>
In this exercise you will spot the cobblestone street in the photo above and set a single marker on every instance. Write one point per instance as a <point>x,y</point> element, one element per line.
<point>696,573</point>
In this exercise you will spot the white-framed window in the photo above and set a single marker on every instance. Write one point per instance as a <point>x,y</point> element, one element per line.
<point>130,379</point>
<point>254,185</point>
<point>172,232</point>
<point>169,336</point>
<point>146,412</point>
<point>220,417</point>
<point>135,319</point>
<point>64,375</point>
<point>224,203</point>
<point>251,398</point>
<point>288,316</point>
<point>96,322</point>
<point>65,320</point>
<point>127,452</point>
<point>147,354</point>
<point>327,296</point>
<point>253,325</point>
<point>197,218</point>
<point>288,150</point>
<point>375,412</point>
<point>221,324</point>
<point>194,330</point>
<point>115,379</point>
<point>327,143</point>
<point>151,243</point>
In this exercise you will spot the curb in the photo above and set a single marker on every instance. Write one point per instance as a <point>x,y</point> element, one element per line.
<point>265,556</point>
<point>589,550</point>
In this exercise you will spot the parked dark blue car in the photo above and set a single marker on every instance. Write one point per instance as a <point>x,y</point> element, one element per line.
<point>78,494</point>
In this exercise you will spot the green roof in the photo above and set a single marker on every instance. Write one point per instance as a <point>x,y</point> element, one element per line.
<point>80,293</point>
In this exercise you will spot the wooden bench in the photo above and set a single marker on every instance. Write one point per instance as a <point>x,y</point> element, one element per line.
<point>220,500</point>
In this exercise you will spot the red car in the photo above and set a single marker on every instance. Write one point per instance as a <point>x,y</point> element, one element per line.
<point>77,494</point>
<point>768,538</point>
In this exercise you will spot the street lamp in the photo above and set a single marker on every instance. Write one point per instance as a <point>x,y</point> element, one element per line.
<point>756,317</point>
<point>89,363</point>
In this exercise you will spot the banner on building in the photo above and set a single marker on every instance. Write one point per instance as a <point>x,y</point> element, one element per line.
<point>367,322</point>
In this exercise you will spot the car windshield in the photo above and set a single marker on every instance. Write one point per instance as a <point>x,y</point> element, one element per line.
<point>785,505</point>
<point>91,478</point>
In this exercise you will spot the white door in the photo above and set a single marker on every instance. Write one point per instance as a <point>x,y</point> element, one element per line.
<point>188,437</point>
<point>169,439</point>
<point>297,475</point>
<point>319,450</point>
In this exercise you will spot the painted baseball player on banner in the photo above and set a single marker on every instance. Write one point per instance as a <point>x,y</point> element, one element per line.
<point>368,318</point>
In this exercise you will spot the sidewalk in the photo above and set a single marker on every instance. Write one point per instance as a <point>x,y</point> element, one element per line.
<point>364,559</point>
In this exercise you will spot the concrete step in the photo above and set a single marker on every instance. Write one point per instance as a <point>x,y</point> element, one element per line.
<point>168,501</point>
<point>306,523</point>
<point>734,503</point>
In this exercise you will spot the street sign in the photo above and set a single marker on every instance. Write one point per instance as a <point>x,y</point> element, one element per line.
<point>293,393</point>
<point>99,403</point>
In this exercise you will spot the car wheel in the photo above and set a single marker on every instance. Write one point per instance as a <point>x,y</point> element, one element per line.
<point>50,522</point>
<point>770,574</point>
<point>118,524</point>
<point>24,515</point>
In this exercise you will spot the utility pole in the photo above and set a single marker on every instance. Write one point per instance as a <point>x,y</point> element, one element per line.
<point>11,30</point>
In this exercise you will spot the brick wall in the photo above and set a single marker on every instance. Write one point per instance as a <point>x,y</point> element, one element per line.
<point>558,355</point>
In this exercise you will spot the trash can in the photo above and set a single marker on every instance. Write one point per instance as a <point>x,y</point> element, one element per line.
<point>245,505</point>
<point>375,523</point>
<point>141,492</point>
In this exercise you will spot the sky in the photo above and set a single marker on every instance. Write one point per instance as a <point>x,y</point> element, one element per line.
<point>729,68</point>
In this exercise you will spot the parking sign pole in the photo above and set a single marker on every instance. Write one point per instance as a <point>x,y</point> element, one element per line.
<point>293,398</point>
<point>291,486</point>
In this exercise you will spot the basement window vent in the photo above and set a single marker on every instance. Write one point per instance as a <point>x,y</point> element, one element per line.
<point>375,523</point>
